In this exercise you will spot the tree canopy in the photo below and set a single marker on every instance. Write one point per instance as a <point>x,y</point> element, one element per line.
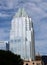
<point>9,58</point>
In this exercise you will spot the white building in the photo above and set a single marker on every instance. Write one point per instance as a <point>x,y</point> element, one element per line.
<point>22,35</point>
<point>3,45</point>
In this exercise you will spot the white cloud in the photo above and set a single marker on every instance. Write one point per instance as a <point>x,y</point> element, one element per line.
<point>41,46</point>
<point>8,4</point>
<point>4,15</point>
<point>43,5</point>
<point>11,4</point>
<point>36,1</point>
<point>3,34</point>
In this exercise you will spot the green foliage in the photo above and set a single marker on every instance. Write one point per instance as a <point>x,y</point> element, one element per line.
<point>8,58</point>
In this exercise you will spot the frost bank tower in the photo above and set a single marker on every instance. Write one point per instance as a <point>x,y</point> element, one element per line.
<point>22,35</point>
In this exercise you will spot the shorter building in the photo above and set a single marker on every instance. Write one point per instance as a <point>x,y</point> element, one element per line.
<point>4,45</point>
<point>33,62</point>
<point>44,59</point>
<point>38,61</point>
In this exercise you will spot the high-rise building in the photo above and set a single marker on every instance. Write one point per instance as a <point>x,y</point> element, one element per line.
<point>22,35</point>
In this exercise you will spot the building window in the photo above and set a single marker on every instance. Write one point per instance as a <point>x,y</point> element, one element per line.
<point>11,40</point>
<point>26,63</point>
<point>33,63</point>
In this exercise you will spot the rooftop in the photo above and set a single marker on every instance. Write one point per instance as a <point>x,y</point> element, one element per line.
<point>21,13</point>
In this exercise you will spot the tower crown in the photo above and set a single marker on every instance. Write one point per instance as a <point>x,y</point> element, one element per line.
<point>21,13</point>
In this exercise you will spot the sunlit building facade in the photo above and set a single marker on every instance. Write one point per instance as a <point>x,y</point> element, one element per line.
<point>22,35</point>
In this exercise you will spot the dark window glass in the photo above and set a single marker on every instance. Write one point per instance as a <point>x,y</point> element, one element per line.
<point>33,63</point>
<point>26,63</point>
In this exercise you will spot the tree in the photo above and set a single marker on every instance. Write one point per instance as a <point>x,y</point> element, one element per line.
<point>9,58</point>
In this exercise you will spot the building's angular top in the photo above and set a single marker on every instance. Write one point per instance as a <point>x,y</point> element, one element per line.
<point>21,13</point>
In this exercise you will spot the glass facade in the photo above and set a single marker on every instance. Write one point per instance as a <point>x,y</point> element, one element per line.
<point>20,35</point>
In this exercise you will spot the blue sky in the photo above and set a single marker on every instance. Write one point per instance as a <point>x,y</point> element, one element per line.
<point>36,9</point>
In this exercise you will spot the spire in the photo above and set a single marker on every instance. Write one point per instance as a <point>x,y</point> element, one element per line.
<point>21,12</point>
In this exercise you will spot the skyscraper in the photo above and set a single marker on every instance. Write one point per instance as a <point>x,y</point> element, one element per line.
<point>22,35</point>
